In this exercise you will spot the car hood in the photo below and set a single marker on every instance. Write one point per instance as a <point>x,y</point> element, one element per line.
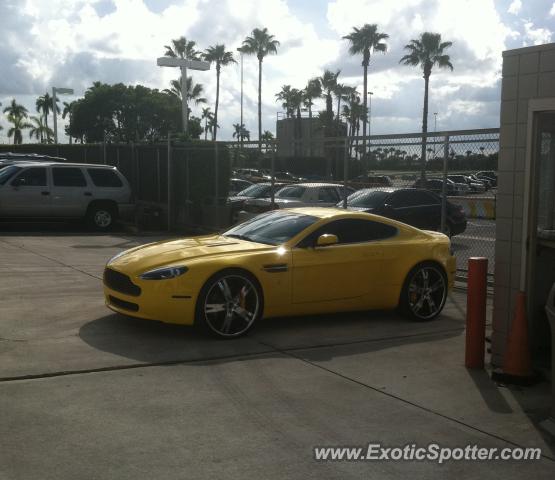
<point>177,252</point>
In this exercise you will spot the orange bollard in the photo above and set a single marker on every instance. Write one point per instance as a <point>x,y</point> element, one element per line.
<point>517,356</point>
<point>476,312</point>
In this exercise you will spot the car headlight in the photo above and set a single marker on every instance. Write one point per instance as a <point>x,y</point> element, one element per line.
<point>164,273</point>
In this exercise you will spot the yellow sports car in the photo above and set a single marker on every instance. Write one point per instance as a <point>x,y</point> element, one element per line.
<point>285,262</point>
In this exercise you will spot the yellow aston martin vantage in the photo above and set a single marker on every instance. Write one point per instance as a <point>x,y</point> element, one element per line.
<point>283,263</point>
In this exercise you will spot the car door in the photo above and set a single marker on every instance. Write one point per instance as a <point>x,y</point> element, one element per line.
<point>349,269</point>
<point>27,194</point>
<point>70,192</point>
<point>418,208</point>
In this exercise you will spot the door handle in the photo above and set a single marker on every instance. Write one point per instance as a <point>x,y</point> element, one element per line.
<point>88,194</point>
<point>45,193</point>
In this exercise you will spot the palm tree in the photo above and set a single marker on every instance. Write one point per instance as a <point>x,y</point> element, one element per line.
<point>342,92</point>
<point>206,116</point>
<point>19,124</point>
<point>15,110</point>
<point>40,130</point>
<point>218,55</point>
<point>284,95</point>
<point>241,132</point>
<point>312,90</point>
<point>182,48</point>
<point>328,82</point>
<point>67,111</point>
<point>45,105</point>
<point>260,43</point>
<point>194,92</point>
<point>366,40</point>
<point>427,51</point>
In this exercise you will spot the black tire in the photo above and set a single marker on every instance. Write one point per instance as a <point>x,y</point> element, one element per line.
<point>419,300</point>
<point>236,304</point>
<point>101,217</point>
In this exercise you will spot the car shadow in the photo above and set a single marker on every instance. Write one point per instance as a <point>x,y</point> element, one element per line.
<point>154,342</point>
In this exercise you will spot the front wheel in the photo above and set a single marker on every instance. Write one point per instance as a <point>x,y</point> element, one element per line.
<point>424,292</point>
<point>229,304</point>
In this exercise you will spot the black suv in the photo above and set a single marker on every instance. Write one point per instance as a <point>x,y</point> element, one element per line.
<point>416,207</point>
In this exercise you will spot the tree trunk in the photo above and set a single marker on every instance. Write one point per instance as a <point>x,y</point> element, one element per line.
<point>424,126</point>
<point>259,104</point>
<point>310,128</point>
<point>205,128</point>
<point>215,127</point>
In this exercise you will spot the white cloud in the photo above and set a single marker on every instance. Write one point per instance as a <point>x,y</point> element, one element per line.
<point>552,11</point>
<point>536,36</point>
<point>515,7</point>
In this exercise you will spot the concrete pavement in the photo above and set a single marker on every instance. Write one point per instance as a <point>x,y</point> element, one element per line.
<point>85,393</point>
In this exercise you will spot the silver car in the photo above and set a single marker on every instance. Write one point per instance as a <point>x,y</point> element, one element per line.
<point>99,193</point>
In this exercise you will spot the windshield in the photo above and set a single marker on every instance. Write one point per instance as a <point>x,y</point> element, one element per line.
<point>367,199</point>
<point>291,192</point>
<point>255,191</point>
<point>273,228</point>
<point>7,172</point>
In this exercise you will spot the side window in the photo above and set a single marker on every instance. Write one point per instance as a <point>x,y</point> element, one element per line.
<point>103,177</point>
<point>68,177</point>
<point>32,177</point>
<point>411,198</point>
<point>352,230</point>
<point>328,195</point>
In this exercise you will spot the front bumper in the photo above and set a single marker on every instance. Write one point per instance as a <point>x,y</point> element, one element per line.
<point>162,301</point>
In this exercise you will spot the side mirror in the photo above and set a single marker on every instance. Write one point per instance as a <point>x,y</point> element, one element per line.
<point>326,239</point>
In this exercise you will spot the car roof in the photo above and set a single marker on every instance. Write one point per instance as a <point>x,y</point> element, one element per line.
<point>316,184</point>
<point>65,164</point>
<point>29,156</point>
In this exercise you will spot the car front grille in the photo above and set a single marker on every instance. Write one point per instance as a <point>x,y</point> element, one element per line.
<point>120,283</point>
<point>118,302</point>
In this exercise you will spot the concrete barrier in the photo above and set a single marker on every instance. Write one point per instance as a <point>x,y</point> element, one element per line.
<point>476,207</point>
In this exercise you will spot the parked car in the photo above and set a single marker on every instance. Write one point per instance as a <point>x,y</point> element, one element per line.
<point>370,180</point>
<point>297,195</point>
<point>282,176</point>
<point>489,175</point>
<point>99,193</point>
<point>475,186</point>
<point>286,262</point>
<point>236,185</point>
<point>250,174</point>
<point>486,181</point>
<point>256,190</point>
<point>436,185</point>
<point>416,207</point>
<point>9,158</point>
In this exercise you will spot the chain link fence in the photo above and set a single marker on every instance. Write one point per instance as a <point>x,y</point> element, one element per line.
<point>446,183</point>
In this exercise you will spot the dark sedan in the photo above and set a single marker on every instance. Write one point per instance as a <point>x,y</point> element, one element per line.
<point>416,207</point>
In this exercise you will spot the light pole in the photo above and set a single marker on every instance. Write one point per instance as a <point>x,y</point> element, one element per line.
<point>240,50</point>
<point>61,91</point>
<point>183,64</point>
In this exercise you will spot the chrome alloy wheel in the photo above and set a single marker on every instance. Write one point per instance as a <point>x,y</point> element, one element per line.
<point>231,305</point>
<point>427,292</point>
<point>102,218</point>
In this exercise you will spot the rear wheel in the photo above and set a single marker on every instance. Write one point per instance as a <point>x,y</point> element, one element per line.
<point>229,304</point>
<point>424,292</point>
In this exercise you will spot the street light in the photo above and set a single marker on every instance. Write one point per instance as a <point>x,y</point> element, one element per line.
<point>61,91</point>
<point>183,64</point>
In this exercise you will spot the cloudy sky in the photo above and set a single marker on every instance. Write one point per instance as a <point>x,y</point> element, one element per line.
<point>71,43</point>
